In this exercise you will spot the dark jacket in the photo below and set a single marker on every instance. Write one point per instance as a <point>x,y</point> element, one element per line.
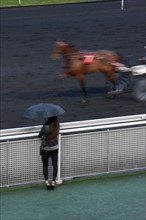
<point>49,134</point>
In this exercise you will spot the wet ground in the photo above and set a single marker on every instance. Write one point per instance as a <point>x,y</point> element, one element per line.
<point>29,75</point>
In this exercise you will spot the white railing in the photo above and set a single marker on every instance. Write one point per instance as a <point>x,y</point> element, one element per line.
<point>85,148</point>
<point>10,134</point>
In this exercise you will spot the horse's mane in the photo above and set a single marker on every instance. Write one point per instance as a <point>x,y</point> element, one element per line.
<point>65,42</point>
<point>72,46</point>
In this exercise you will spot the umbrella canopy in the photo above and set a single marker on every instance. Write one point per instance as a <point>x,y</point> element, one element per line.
<point>43,110</point>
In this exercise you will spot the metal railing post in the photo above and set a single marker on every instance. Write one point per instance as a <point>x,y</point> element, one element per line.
<point>122,4</point>
<point>108,151</point>
<point>59,181</point>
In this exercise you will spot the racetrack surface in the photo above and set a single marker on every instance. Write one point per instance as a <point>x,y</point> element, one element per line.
<point>29,75</point>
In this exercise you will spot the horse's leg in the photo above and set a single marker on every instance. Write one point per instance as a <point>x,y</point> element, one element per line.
<point>65,74</point>
<point>112,78</point>
<point>114,83</point>
<point>110,75</point>
<point>80,78</point>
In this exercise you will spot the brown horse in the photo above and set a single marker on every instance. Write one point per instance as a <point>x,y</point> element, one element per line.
<point>78,63</point>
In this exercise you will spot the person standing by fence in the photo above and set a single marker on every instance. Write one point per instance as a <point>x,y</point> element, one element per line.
<point>49,148</point>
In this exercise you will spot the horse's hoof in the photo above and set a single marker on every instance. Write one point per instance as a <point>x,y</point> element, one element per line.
<point>111,96</point>
<point>84,101</point>
<point>114,92</point>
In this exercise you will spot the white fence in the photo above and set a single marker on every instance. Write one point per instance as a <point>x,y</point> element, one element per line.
<point>85,148</point>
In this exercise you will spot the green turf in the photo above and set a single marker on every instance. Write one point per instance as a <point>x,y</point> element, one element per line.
<point>37,2</point>
<point>120,198</point>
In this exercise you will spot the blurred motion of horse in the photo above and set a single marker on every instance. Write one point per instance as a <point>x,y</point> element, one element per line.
<point>79,63</point>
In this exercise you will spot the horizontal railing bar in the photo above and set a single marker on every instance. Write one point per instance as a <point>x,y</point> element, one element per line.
<point>76,130</point>
<point>80,176</point>
<point>23,130</point>
<point>106,173</point>
<point>103,121</point>
<point>21,136</point>
<point>102,127</point>
<point>78,124</point>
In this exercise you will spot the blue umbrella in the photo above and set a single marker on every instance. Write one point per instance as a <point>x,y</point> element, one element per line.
<point>43,110</point>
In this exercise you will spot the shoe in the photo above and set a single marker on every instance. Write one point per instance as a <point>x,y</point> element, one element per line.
<point>53,185</point>
<point>47,185</point>
<point>115,92</point>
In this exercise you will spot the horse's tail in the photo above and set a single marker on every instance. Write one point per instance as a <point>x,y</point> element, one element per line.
<point>122,65</point>
<point>123,60</point>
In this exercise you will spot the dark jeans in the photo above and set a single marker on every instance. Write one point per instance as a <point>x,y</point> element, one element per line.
<point>45,159</point>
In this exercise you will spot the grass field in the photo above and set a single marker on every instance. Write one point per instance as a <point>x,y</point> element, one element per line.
<point>4,3</point>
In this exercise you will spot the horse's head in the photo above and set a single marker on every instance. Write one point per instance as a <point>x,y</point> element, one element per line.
<point>59,49</point>
<point>62,48</point>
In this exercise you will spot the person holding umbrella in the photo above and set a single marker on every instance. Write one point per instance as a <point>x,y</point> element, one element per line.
<point>49,148</point>
<point>49,136</point>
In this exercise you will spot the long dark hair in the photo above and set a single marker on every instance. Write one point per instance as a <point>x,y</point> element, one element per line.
<point>51,120</point>
<point>55,126</point>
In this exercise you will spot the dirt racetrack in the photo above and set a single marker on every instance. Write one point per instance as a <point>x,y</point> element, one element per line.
<point>29,75</point>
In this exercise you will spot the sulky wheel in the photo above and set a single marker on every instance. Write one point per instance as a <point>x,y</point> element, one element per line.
<point>140,90</point>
